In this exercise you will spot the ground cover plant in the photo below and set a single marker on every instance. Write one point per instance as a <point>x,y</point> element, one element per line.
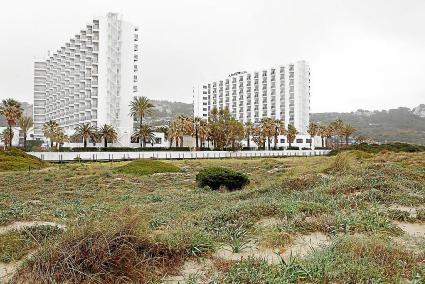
<point>146,167</point>
<point>349,219</point>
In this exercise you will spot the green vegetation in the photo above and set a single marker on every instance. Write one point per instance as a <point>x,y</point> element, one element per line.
<point>375,148</point>
<point>216,177</point>
<point>146,167</point>
<point>17,160</point>
<point>16,244</point>
<point>128,225</point>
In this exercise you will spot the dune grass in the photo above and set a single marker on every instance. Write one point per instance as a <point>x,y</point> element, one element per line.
<point>164,219</point>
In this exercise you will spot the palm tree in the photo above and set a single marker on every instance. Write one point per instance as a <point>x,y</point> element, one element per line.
<point>203,132</point>
<point>279,129</point>
<point>236,132</point>
<point>144,134</point>
<point>249,127</point>
<point>12,111</point>
<point>6,136</point>
<point>139,107</point>
<point>85,131</point>
<point>258,137</point>
<point>267,127</point>
<point>196,128</point>
<point>321,131</point>
<point>25,123</point>
<point>291,134</point>
<point>347,131</point>
<point>108,133</point>
<point>313,130</point>
<point>338,127</point>
<point>50,128</point>
<point>183,125</point>
<point>60,137</point>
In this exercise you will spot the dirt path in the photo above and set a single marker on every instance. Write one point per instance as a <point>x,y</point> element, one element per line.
<point>22,225</point>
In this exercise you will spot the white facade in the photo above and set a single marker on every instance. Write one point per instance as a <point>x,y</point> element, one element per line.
<point>91,79</point>
<point>281,92</point>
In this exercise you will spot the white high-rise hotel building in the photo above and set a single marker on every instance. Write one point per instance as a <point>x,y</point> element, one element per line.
<point>281,92</point>
<point>91,79</point>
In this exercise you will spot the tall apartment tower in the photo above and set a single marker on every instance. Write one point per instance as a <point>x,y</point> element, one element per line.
<point>90,79</point>
<point>281,92</point>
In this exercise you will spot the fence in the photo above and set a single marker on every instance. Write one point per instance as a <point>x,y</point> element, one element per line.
<point>165,155</point>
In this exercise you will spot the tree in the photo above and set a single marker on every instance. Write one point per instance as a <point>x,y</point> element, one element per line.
<point>291,134</point>
<point>108,133</point>
<point>182,125</point>
<point>25,123</point>
<point>337,128</point>
<point>85,131</point>
<point>139,107</point>
<point>236,133</point>
<point>145,134</point>
<point>60,137</point>
<point>196,128</point>
<point>279,129</point>
<point>347,131</point>
<point>50,128</point>
<point>12,111</point>
<point>249,127</point>
<point>321,131</point>
<point>313,130</point>
<point>258,137</point>
<point>6,137</point>
<point>268,129</point>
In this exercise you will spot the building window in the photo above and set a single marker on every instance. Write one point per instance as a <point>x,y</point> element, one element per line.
<point>134,89</point>
<point>308,140</point>
<point>282,140</point>
<point>299,141</point>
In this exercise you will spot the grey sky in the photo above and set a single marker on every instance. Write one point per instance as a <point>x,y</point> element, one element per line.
<point>366,54</point>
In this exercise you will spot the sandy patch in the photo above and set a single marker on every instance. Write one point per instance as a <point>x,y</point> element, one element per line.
<point>7,271</point>
<point>22,225</point>
<point>268,222</point>
<point>304,244</point>
<point>412,229</point>
<point>192,268</point>
<point>301,246</point>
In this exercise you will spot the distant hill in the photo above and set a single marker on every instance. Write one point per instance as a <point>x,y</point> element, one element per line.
<point>165,111</point>
<point>401,124</point>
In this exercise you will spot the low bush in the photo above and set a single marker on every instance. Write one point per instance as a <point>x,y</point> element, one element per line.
<point>341,163</point>
<point>17,160</point>
<point>216,177</point>
<point>293,148</point>
<point>146,167</point>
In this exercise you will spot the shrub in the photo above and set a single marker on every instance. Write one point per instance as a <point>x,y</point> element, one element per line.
<point>146,167</point>
<point>341,163</point>
<point>215,177</point>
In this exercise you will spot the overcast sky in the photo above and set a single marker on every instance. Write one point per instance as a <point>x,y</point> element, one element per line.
<point>367,54</point>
